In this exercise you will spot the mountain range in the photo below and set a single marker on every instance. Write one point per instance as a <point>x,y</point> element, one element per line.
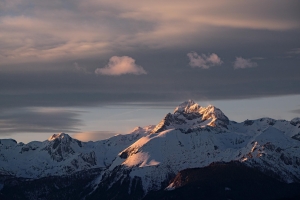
<point>195,152</point>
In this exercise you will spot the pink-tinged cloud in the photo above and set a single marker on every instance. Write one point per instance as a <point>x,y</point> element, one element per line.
<point>241,63</point>
<point>119,66</point>
<point>93,135</point>
<point>204,61</point>
<point>49,32</point>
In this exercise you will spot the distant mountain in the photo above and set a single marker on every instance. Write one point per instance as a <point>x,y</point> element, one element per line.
<point>148,162</point>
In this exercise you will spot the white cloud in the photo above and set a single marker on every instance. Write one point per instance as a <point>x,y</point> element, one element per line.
<point>121,65</point>
<point>241,63</point>
<point>204,61</point>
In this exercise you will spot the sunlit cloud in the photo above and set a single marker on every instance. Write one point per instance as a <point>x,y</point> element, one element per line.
<point>204,61</point>
<point>67,30</point>
<point>119,66</point>
<point>217,13</point>
<point>93,135</point>
<point>29,40</point>
<point>241,63</point>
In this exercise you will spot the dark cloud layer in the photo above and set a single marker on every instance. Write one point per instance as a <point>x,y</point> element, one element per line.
<point>38,120</point>
<point>297,111</point>
<point>170,81</point>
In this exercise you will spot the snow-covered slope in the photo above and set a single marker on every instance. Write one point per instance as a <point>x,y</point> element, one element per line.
<point>191,137</point>
<point>61,154</point>
<point>195,136</point>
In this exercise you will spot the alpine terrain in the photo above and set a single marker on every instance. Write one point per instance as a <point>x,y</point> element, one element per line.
<point>193,153</point>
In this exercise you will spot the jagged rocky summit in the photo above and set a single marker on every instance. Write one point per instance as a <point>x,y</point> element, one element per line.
<point>149,160</point>
<point>189,115</point>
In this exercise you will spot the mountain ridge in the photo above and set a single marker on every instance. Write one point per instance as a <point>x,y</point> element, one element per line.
<point>146,159</point>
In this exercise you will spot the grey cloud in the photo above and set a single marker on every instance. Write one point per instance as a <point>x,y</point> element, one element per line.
<point>209,91</point>
<point>241,63</point>
<point>80,69</point>
<point>297,111</point>
<point>258,58</point>
<point>168,79</point>
<point>38,120</point>
<point>294,52</point>
<point>204,61</point>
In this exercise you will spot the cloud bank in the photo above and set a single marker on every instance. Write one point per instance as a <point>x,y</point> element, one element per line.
<point>241,63</point>
<point>204,61</point>
<point>67,30</point>
<point>297,111</point>
<point>37,120</point>
<point>119,66</point>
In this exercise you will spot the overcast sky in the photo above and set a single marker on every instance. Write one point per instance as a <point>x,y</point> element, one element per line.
<point>62,60</point>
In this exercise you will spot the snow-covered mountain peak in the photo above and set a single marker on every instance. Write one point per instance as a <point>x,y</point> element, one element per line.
<point>295,121</point>
<point>7,143</point>
<point>61,146</point>
<point>60,136</point>
<point>210,111</point>
<point>191,115</point>
<point>144,130</point>
<point>214,113</point>
<point>187,106</point>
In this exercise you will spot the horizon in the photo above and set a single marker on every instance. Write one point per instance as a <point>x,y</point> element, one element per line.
<point>100,68</point>
<point>156,115</point>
